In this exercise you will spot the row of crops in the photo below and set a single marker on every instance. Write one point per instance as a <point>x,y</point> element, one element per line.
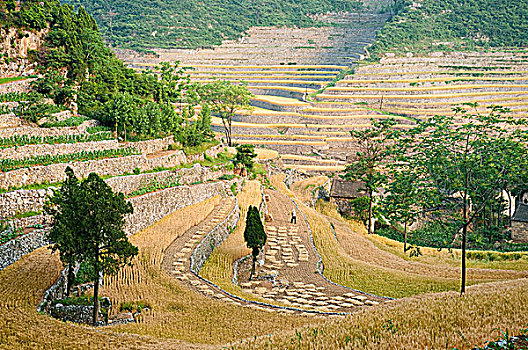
<point>22,140</point>
<point>12,164</point>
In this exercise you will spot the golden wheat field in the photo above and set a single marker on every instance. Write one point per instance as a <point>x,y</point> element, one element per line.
<point>176,314</point>
<point>433,321</point>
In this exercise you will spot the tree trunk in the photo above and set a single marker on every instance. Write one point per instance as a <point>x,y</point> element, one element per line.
<point>405,238</point>
<point>369,229</point>
<point>464,236</point>
<point>230,131</point>
<point>463,280</point>
<point>96,291</point>
<point>70,279</point>
<point>253,262</point>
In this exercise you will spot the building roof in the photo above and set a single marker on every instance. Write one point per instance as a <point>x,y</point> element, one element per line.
<point>347,189</point>
<point>521,213</point>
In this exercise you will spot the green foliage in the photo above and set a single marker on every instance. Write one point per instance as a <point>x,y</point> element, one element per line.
<point>195,24</point>
<point>460,24</point>
<point>22,140</point>
<point>254,234</point>
<point>198,132</point>
<point>245,156</point>
<point>7,235</point>
<point>225,100</point>
<point>134,306</point>
<point>12,164</point>
<point>156,184</point>
<point>85,274</point>
<point>371,157</point>
<point>87,226</point>
<point>459,170</point>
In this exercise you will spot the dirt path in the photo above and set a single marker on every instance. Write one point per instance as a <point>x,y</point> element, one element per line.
<point>289,274</point>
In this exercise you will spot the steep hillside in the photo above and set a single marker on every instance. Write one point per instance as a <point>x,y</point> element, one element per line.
<point>429,25</point>
<point>195,24</point>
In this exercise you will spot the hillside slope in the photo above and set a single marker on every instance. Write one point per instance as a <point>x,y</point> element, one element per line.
<point>195,24</point>
<point>431,25</point>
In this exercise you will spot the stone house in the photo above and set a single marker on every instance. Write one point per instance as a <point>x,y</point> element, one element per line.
<point>342,192</point>
<point>520,223</point>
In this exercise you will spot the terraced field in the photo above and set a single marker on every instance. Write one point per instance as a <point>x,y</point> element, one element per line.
<point>304,108</point>
<point>283,68</point>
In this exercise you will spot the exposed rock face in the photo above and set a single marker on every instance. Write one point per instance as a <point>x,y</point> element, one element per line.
<point>18,45</point>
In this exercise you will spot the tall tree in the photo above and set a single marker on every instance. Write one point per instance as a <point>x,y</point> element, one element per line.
<point>245,156</point>
<point>370,159</point>
<point>64,206</point>
<point>254,235</point>
<point>226,100</point>
<point>461,168</point>
<point>401,204</point>
<point>88,220</point>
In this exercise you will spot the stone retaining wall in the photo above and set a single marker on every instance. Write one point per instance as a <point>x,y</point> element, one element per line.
<point>214,239</point>
<point>43,132</point>
<point>151,146</point>
<point>520,231</point>
<point>154,206</point>
<point>22,201</point>
<point>19,86</point>
<point>28,151</point>
<point>104,167</point>
<point>148,209</point>
<point>15,249</point>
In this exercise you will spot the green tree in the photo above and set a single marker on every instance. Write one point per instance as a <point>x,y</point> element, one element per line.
<point>460,168</point>
<point>95,235</point>
<point>225,100</point>
<point>401,204</point>
<point>254,235</point>
<point>245,156</point>
<point>64,206</point>
<point>370,159</point>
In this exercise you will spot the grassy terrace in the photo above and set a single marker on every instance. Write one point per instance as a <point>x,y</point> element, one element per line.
<point>283,88</point>
<point>425,88</point>
<point>175,311</point>
<point>10,80</point>
<point>218,122</point>
<point>281,101</point>
<point>428,80</point>
<point>431,96</point>
<point>13,164</point>
<point>251,81</point>
<point>266,73</point>
<point>352,117</point>
<point>473,73</point>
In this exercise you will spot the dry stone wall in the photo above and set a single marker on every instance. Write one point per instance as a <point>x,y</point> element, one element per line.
<point>520,231</point>
<point>151,146</point>
<point>15,249</point>
<point>148,209</point>
<point>28,151</point>
<point>19,86</point>
<point>214,239</point>
<point>22,201</point>
<point>154,206</point>
<point>103,167</point>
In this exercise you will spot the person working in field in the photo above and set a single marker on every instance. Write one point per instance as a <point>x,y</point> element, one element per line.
<point>293,217</point>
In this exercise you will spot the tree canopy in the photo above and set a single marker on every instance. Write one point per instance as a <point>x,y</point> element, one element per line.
<point>87,226</point>
<point>254,235</point>
<point>431,25</point>
<point>199,24</point>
